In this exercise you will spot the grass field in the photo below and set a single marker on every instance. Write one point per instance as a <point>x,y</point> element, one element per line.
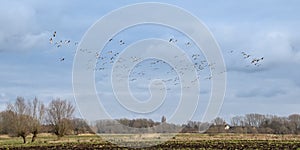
<point>181,141</point>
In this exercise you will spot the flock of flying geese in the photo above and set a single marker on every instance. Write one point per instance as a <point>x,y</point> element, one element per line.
<point>107,58</point>
<point>254,61</point>
<point>59,43</point>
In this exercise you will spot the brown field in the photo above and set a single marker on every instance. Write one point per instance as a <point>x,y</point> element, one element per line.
<point>180,141</point>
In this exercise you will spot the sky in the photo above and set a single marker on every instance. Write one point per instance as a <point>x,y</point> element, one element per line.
<point>32,67</point>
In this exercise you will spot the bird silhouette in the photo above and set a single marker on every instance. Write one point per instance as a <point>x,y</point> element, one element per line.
<point>188,43</point>
<point>51,40</point>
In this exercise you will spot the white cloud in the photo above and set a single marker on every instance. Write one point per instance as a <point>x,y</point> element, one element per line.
<point>27,25</point>
<point>276,46</point>
<point>19,29</point>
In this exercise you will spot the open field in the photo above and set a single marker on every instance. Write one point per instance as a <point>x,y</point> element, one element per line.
<point>181,141</point>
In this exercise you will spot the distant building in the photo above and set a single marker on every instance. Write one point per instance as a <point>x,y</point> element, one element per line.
<point>227,127</point>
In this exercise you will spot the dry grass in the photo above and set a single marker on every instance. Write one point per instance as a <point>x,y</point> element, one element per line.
<point>45,139</point>
<point>194,137</point>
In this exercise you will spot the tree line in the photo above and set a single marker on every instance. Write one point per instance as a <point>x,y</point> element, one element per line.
<point>22,118</point>
<point>25,117</point>
<point>247,124</point>
<point>250,124</point>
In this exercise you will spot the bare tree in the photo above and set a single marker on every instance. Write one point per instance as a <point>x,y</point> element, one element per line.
<point>254,120</point>
<point>36,112</point>
<point>237,121</point>
<point>219,121</point>
<point>295,122</point>
<point>18,119</point>
<point>59,115</point>
<point>80,126</point>
<point>6,121</point>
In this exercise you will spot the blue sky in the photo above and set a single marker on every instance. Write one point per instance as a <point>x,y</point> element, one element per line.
<point>30,66</point>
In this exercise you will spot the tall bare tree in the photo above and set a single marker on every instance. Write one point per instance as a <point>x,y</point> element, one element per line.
<point>36,112</point>
<point>18,119</point>
<point>59,115</point>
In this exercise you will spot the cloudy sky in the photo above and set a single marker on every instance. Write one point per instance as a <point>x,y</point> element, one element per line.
<point>31,66</point>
